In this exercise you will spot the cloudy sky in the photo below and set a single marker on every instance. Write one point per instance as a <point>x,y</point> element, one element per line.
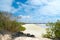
<point>33,11</point>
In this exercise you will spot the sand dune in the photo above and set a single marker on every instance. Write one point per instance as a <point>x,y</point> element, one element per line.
<point>8,37</point>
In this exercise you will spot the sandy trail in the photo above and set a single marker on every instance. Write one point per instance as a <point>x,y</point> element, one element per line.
<point>29,38</point>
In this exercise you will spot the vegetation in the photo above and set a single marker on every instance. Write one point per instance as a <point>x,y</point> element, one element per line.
<point>9,25</point>
<point>54,30</point>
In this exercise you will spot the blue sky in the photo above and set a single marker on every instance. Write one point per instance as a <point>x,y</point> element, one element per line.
<point>33,11</point>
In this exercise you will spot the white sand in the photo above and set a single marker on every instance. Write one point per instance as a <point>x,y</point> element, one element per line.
<point>34,29</point>
<point>29,38</point>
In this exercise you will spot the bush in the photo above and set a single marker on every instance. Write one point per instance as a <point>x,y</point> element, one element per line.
<point>10,25</point>
<point>54,30</point>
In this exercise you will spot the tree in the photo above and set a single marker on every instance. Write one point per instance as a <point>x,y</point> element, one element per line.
<point>10,25</point>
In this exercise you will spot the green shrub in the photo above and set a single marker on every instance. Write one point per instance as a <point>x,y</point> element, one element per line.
<point>10,25</point>
<point>54,29</point>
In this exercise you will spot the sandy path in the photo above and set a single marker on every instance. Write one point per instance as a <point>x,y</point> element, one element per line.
<point>28,38</point>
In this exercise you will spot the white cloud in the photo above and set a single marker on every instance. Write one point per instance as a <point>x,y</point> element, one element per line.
<point>42,7</point>
<point>36,8</point>
<point>22,16</point>
<point>48,7</point>
<point>52,8</point>
<point>37,2</point>
<point>5,5</point>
